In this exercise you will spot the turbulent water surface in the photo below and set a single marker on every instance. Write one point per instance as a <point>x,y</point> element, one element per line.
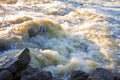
<point>64,35</point>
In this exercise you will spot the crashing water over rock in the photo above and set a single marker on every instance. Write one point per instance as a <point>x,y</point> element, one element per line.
<point>63,36</point>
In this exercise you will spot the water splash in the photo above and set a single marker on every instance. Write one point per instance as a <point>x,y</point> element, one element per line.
<point>64,36</point>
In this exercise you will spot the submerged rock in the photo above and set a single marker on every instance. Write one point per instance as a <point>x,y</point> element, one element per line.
<point>78,75</point>
<point>36,74</point>
<point>15,62</point>
<point>32,32</point>
<point>4,45</point>
<point>32,28</point>
<point>100,74</point>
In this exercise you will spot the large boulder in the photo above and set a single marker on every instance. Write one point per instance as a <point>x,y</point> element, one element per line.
<point>36,74</point>
<point>15,63</point>
<point>78,75</point>
<point>100,74</point>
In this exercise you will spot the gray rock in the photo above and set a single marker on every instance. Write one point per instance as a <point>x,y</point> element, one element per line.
<point>116,71</point>
<point>78,75</point>
<point>116,76</point>
<point>36,74</point>
<point>100,74</point>
<point>15,62</point>
<point>6,75</point>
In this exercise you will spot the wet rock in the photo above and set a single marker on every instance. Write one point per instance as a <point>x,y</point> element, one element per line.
<point>116,71</point>
<point>45,75</point>
<point>36,74</point>
<point>4,45</point>
<point>15,62</point>
<point>32,32</point>
<point>100,74</point>
<point>78,75</point>
<point>6,75</point>
<point>117,76</point>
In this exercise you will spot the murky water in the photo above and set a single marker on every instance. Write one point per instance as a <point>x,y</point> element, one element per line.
<point>64,35</point>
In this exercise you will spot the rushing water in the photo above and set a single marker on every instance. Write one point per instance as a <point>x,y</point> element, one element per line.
<point>64,35</point>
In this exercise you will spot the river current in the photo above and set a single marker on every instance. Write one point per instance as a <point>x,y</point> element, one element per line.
<point>64,35</point>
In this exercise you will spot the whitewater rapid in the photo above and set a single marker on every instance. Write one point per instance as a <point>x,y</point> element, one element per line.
<point>64,35</point>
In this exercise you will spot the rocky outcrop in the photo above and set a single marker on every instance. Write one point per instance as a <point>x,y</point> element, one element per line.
<point>100,74</point>
<point>36,74</point>
<point>15,67</point>
<point>78,75</point>
<point>16,62</point>
<point>13,64</point>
